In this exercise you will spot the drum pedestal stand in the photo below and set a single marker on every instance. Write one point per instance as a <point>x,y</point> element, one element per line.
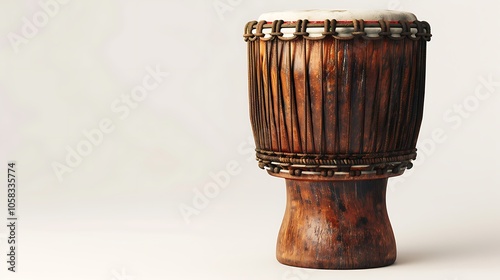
<point>336,225</point>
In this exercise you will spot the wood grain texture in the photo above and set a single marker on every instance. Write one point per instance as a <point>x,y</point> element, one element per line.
<point>354,102</point>
<point>336,225</point>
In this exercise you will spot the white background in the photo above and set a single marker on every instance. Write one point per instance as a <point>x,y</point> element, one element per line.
<point>116,214</point>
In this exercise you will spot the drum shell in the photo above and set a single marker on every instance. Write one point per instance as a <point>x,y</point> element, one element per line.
<point>330,101</point>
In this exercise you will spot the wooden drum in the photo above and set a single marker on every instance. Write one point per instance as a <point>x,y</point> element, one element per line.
<point>336,102</point>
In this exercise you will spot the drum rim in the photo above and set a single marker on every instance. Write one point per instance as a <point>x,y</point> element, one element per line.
<point>396,30</point>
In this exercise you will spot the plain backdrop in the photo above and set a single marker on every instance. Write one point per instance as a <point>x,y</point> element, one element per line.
<point>69,68</point>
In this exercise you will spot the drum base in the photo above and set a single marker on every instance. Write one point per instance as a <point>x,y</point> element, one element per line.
<point>336,225</point>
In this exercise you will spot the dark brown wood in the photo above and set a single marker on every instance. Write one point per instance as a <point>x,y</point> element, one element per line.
<point>336,225</point>
<point>349,102</point>
<point>336,117</point>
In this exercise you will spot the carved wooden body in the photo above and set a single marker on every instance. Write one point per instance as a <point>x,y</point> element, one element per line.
<point>336,116</point>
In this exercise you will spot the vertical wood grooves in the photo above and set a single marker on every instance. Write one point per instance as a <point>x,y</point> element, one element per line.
<point>405,95</point>
<point>315,93</point>
<point>420,88</point>
<point>276,94</point>
<point>412,94</point>
<point>322,148</point>
<point>283,97</point>
<point>385,100</point>
<point>295,117</point>
<point>337,93</point>
<point>300,98</point>
<point>362,106</point>
<point>336,97</point>
<point>251,93</point>
<point>377,136</point>
<point>261,104</point>
<point>330,96</point>
<point>357,93</point>
<point>372,76</point>
<point>307,104</point>
<point>271,112</point>
<point>396,94</point>
<point>344,103</point>
<point>287,93</point>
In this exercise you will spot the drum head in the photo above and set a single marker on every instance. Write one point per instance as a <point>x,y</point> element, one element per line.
<point>339,15</point>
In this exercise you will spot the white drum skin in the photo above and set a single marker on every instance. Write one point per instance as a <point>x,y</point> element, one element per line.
<point>340,15</point>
